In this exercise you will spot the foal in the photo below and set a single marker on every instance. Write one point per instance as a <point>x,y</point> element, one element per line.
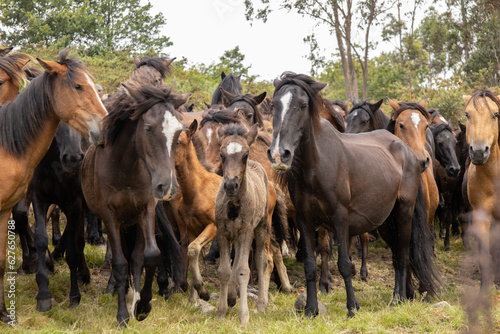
<point>242,213</point>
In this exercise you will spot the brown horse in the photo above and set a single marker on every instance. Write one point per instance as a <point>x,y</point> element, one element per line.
<point>349,184</point>
<point>123,179</point>
<point>482,112</point>
<point>13,78</point>
<point>409,122</point>
<point>64,92</point>
<point>242,213</point>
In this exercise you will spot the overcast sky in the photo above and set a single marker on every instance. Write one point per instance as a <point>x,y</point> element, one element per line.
<point>202,30</point>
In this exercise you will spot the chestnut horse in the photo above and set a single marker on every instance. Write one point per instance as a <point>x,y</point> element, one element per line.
<point>482,112</point>
<point>242,213</point>
<point>327,173</point>
<point>409,122</point>
<point>64,92</point>
<point>123,180</point>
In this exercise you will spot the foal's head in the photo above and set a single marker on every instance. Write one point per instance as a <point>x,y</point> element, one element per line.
<point>234,151</point>
<point>482,112</point>
<point>156,134</point>
<point>409,122</point>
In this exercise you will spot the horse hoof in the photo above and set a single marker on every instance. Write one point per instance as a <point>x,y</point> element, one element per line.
<point>142,310</point>
<point>74,301</point>
<point>204,294</point>
<point>447,248</point>
<point>44,305</point>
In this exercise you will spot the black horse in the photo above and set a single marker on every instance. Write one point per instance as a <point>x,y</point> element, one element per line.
<point>349,184</point>
<point>230,83</point>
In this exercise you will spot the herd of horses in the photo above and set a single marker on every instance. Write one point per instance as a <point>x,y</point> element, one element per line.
<point>249,174</point>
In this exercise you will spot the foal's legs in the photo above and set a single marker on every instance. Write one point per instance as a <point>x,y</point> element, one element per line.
<point>286,287</point>
<point>241,270</point>
<point>224,273</point>
<point>264,263</point>
<point>194,249</point>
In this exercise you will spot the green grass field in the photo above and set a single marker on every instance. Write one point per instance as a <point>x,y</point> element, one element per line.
<point>97,312</point>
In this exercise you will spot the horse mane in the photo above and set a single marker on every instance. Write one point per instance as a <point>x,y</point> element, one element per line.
<point>233,130</point>
<point>305,82</point>
<point>156,63</point>
<point>378,119</point>
<point>406,106</point>
<point>9,64</point>
<point>123,109</point>
<point>257,116</point>
<point>220,116</point>
<point>22,119</point>
<point>440,127</point>
<point>230,84</point>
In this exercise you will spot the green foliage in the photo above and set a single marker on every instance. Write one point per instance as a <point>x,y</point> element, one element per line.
<point>96,26</point>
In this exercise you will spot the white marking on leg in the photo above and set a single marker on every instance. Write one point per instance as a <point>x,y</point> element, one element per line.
<point>170,126</point>
<point>415,117</point>
<point>234,147</point>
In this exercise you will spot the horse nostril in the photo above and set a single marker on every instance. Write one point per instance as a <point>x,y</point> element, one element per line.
<point>486,149</point>
<point>286,155</point>
<point>269,155</point>
<point>160,190</point>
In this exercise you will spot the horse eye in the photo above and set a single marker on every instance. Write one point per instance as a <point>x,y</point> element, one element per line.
<point>303,107</point>
<point>178,142</point>
<point>78,87</point>
<point>149,129</point>
<point>245,157</point>
<point>1,83</point>
<point>401,126</point>
<point>496,115</point>
<point>467,115</point>
<point>249,116</point>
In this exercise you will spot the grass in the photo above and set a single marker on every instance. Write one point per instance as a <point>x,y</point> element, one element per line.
<point>97,312</point>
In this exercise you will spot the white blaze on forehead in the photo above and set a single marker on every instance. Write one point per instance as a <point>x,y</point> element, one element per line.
<point>285,102</point>
<point>209,135</point>
<point>92,85</point>
<point>355,114</point>
<point>443,119</point>
<point>170,126</point>
<point>415,117</point>
<point>233,148</point>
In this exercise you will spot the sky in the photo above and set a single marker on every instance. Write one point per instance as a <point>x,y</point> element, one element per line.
<point>202,30</point>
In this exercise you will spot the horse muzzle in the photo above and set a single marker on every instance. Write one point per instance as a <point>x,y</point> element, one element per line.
<point>280,159</point>
<point>164,193</point>
<point>231,186</point>
<point>479,154</point>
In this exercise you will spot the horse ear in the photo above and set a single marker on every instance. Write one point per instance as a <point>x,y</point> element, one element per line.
<point>259,98</point>
<point>52,67</point>
<point>252,134</point>
<point>178,100</point>
<point>192,128</point>
<point>21,64</point>
<point>5,51</point>
<point>222,75</point>
<point>276,82</point>
<point>394,105</point>
<point>423,102</point>
<point>168,62</point>
<point>377,105</point>
<point>137,61</point>
<point>226,97</point>
<point>207,105</point>
<point>318,86</point>
<point>190,108</point>
<point>462,126</point>
<point>354,101</point>
<point>466,98</point>
<point>132,91</point>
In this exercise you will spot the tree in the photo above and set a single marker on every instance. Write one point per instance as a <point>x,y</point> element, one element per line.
<point>95,25</point>
<point>232,61</point>
<point>339,16</point>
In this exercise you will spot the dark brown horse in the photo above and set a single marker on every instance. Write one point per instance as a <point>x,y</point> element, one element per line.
<point>230,83</point>
<point>123,179</point>
<point>64,92</point>
<point>328,177</point>
<point>365,116</point>
<point>247,104</point>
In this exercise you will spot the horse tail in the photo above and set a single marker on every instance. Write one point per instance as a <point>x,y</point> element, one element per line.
<point>421,248</point>
<point>170,249</point>
<point>279,218</point>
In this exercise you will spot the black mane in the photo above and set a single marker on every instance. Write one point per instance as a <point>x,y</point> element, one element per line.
<point>230,84</point>
<point>220,116</point>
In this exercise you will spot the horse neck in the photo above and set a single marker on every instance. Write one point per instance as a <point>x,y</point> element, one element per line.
<point>39,147</point>
<point>308,149</point>
<point>191,174</point>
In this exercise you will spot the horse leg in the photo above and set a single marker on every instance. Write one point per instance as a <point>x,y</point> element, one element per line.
<point>213,253</point>
<point>308,235</point>
<point>152,257</point>
<point>324,250</point>
<point>30,259</point>
<point>4,231</point>
<point>194,248</point>
<point>56,227</point>
<point>242,272</point>
<point>263,262</point>
<point>403,221</point>
<point>364,239</point>
<point>482,224</point>
<point>74,216</point>
<point>136,263</point>
<point>285,285</point>
<point>345,267</point>
<point>44,297</point>
<point>447,218</point>
<point>224,272</point>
